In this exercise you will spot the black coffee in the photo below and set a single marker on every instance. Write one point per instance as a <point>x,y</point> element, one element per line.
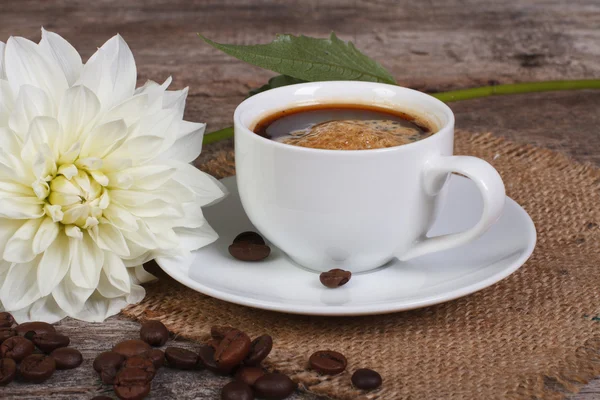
<point>343,127</point>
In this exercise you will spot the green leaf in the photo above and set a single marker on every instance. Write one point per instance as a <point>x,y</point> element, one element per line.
<point>310,59</point>
<point>275,82</point>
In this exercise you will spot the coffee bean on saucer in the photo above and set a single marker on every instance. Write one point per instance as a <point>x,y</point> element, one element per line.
<point>366,379</point>
<point>181,358</point>
<point>8,370</point>
<point>249,375</point>
<point>259,350</point>
<point>5,333</point>
<point>274,386</point>
<point>237,390</point>
<point>6,320</point>
<point>249,237</point>
<point>156,356</point>
<point>155,333</point>
<point>37,368</point>
<point>132,384</point>
<point>218,332</point>
<point>36,326</point>
<point>47,342</point>
<point>108,359</point>
<point>245,251</point>
<point>328,362</point>
<point>17,348</point>
<point>67,358</point>
<point>233,349</point>
<point>206,355</point>
<point>130,348</point>
<point>335,278</point>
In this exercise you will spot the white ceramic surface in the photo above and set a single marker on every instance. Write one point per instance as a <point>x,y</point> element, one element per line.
<point>354,209</point>
<point>279,284</point>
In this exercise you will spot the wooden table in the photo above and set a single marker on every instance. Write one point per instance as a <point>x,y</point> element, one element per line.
<point>429,45</point>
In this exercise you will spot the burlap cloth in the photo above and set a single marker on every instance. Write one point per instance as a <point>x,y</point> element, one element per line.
<point>536,334</point>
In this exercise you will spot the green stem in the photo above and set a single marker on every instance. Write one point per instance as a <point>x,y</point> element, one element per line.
<point>467,94</point>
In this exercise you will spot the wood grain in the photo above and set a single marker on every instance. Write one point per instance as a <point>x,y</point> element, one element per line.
<point>430,45</point>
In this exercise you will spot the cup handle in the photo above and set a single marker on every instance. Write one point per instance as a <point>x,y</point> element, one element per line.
<point>490,186</point>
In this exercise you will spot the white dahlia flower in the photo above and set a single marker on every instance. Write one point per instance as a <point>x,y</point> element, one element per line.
<point>95,180</point>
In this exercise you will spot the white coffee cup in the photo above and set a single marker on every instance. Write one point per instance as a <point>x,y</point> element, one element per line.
<point>354,209</point>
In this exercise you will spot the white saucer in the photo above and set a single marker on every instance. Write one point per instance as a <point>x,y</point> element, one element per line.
<point>280,285</point>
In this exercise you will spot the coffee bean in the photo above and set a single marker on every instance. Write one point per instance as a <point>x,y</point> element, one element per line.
<point>274,386</point>
<point>245,251</point>
<point>67,358</point>
<point>36,326</point>
<point>206,355</point>
<point>328,362</point>
<point>249,375</point>
<point>5,333</point>
<point>214,343</point>
<point>102,398</point>
<point>249,237</point>
<point>37,368</point>
<point>335,278</point>
<point>366,379</point>
<point>6,320</point>
<point>8,370</point>
<point>130,348</point>
<point>156,356</point>
<point>237,390</point>
<point>108,359</point>
<point>233,349</point>
<point>218,332</point>
<point>47,342</point>
<point>181,358</point>
<point>17,348</point>
<point>108,375</point>
<point>259,350</point>
<point>132,384</point>
<point>142,363</point>
<point>155,333</point>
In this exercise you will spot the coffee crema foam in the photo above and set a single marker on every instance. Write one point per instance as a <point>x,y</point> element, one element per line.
<point>354,135</point>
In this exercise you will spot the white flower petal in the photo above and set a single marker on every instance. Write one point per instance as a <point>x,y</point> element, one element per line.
<point>73,232</point>
<point>7,101</point>
<point>139,149</point>
<point>70,297</point>
<point>63,53</point>
<point>86,262</point>
<point>109,238</point>
<point>44,309</point>
<point>103,139</point>
<point>8,227</point>
<point>9,189</point>
<point>54,212</point>
<point>68,170</point>
<point>139,275</point>
<point>43,132</point>
<point>188,146</point>
<point>120,217</point>
<point>26,64</point>
<point>155,92</point>
<point>195,238</point>
<point>97,308</point>
<point>136,294</point>
<point>142,236</point>
<point>77,110</point>
<point>31,102</point>
<point>53,266</point>
<point>17,289</point>
<point>207,189</point>
<point>21,207</point>
<point>114,279</point>
<point>150,177</point>
<point>19,248</point>
<point>45,235</point>
<point>130,111</point>
<point>175,99</point>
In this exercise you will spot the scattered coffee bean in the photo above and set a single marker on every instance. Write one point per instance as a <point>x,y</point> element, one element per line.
<point>37,368</point>
<point>328,362</point>
<point>246,251</point>
<point>249,375</point>
<point>67,358</point>
<point>6,320</point>
<point>132,384</point>
<point>8,370</point>
<point>17,348</point>
<point>259,350</point>
<point>108,359</point>
<point>108,375</point>
<point>142,363</point>
<point>214,343</point>
<point>155,333</point>
<point>274,386</point>
<point>218,332</point>
<point>156,356</point>
<point>181,358</point>
<point>236,390</point>
<point>206,354</point>
<point>5,333</point>
<point>36,326</point>
<point>335,278</point>
<point>131,347</point>
<point>249,237</point>
<point>102,398</point>
<point>47,342</point>
<point>366,379</point>
<point>233,349</point>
